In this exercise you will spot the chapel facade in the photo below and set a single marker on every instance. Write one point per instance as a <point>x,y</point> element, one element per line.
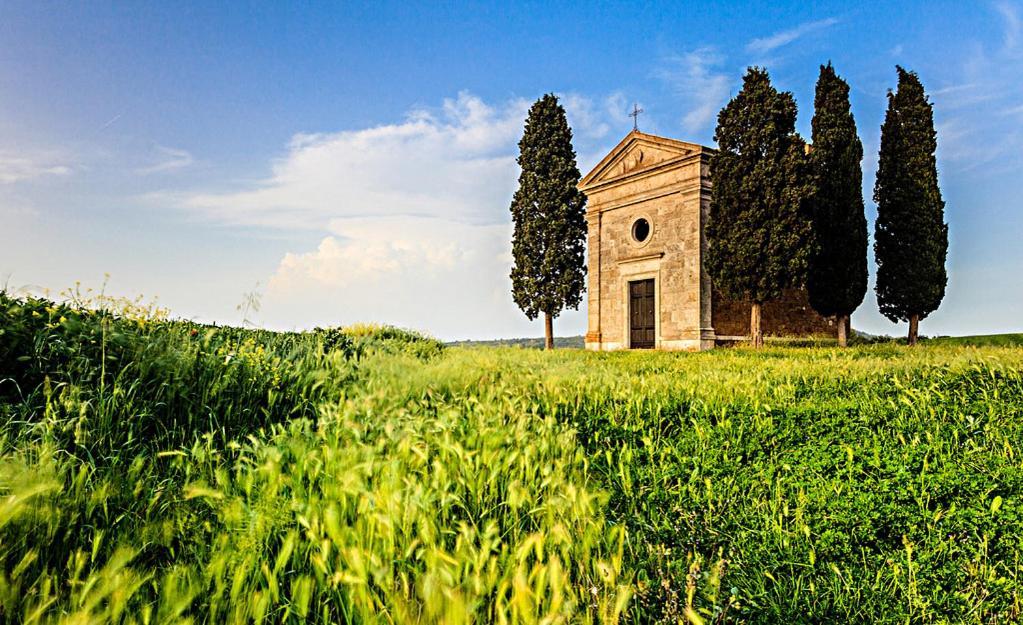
<point>648,203</point>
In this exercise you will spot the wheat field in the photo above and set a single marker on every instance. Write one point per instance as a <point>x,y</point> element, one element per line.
<point>160,471</point>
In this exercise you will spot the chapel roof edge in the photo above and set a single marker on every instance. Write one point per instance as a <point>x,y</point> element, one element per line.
<point>684,149</point>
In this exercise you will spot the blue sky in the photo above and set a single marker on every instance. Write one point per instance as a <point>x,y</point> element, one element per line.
<point>355,162</point>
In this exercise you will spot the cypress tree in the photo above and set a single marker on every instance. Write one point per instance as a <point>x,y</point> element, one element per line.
<point>910,236</point>
<point>759,232</point>
<point>837,277</point>
<point>549,215</point>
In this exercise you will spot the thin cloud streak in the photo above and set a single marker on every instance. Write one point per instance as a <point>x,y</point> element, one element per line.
<point>764,45</point>
<point>111,121</point>
<point>1012,24</point>
<point>173,158</point>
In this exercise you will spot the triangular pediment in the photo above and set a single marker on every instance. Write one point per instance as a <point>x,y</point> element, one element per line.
<point>635,153</point>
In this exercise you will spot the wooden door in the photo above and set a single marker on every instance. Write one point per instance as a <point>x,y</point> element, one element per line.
<point>641,314</point>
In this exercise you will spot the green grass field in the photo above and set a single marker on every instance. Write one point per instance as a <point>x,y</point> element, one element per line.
<point>164,472</point>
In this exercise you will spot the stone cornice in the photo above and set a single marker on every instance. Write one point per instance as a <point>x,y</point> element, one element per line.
<point>636,259</point>
<point>636,199</point>
<point>647,172</point>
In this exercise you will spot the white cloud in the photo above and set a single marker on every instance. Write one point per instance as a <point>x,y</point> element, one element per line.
<point>370,248</point>
<point>456,163</point>
<point>694,78</point>
<point>17,168</point>
<point>414,215</point>
<point>445,277</point>
<point>170,159</point>
<point>600,118</point>
<point>587,119</point>
<point>764,45</point>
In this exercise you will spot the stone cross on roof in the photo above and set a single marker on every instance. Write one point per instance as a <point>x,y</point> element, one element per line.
<point>635,116</point>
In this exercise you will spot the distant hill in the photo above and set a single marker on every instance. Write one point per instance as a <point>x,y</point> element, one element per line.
<point>529,343</point>
<point>982,340</point>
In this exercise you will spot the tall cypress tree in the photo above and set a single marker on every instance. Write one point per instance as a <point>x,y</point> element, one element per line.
<point>837,278</point>
<point>759,233</point>
<point>910,236</point>
<point>549,214</point>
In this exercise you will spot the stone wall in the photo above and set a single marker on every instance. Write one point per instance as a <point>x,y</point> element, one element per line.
<point>791,315</point>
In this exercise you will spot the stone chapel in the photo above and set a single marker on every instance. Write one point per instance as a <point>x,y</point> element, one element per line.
<point>648,202</point>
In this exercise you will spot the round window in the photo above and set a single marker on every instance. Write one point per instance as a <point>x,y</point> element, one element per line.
<point>640,229</point>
